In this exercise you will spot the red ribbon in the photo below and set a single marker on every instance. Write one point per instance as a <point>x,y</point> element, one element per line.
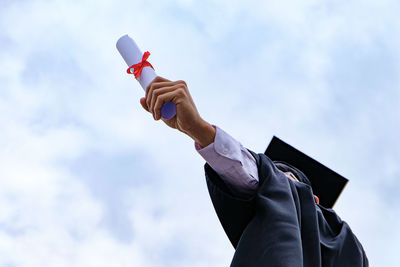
<point>137,68</point>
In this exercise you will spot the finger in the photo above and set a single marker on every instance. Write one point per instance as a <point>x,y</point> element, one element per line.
<point>156,80</point>
<point>153,86</point>
<point>157,85</point>
<point>180,86</point>
<point>143,103</point>
<point>164,98</point>
<point>160,91</point>
<point>162,79</point>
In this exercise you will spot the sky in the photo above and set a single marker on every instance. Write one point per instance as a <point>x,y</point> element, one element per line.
<point>88,178</point>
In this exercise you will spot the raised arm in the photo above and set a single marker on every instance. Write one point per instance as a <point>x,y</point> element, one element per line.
<point>223,153</point>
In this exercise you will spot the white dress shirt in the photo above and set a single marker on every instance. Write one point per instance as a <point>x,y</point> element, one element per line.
<point>233,163</point>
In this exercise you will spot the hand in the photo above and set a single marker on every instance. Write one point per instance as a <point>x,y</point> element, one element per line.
<point>187,119</point>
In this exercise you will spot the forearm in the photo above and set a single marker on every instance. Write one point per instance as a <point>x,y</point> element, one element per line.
<point>203,133</point>
<point>228,157</point>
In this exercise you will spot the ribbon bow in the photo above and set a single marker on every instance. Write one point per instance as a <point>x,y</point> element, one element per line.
<point>137,68</point>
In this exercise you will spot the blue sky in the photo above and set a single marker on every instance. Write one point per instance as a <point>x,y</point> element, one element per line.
<point>87,178</point>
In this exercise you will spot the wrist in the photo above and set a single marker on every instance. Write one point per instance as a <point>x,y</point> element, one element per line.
<point>203,134</point>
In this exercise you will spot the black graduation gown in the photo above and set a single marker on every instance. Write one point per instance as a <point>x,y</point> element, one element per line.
<point>281,225</point>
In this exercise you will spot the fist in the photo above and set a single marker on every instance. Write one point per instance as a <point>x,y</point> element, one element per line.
<point>161,91</point>
<point>187,119</point>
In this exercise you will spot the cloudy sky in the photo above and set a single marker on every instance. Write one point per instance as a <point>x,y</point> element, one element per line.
<point>87,178</point>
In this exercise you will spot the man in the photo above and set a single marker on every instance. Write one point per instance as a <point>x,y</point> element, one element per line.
<point>266,208</point>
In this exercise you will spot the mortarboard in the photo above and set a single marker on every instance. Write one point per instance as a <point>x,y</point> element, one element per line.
<point>325,183</point>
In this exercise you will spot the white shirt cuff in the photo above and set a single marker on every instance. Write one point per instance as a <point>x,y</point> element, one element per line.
<point>236,166</point>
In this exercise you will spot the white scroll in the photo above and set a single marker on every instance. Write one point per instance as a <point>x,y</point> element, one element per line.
<point>132,55</point>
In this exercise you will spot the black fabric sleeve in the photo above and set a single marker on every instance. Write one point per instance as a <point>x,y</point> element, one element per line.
<point>233,212</point>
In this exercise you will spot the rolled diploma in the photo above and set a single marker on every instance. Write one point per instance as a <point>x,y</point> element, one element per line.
<point>131,53</point>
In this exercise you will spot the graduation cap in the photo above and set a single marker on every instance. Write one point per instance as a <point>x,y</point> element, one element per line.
<point>325,183</point>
